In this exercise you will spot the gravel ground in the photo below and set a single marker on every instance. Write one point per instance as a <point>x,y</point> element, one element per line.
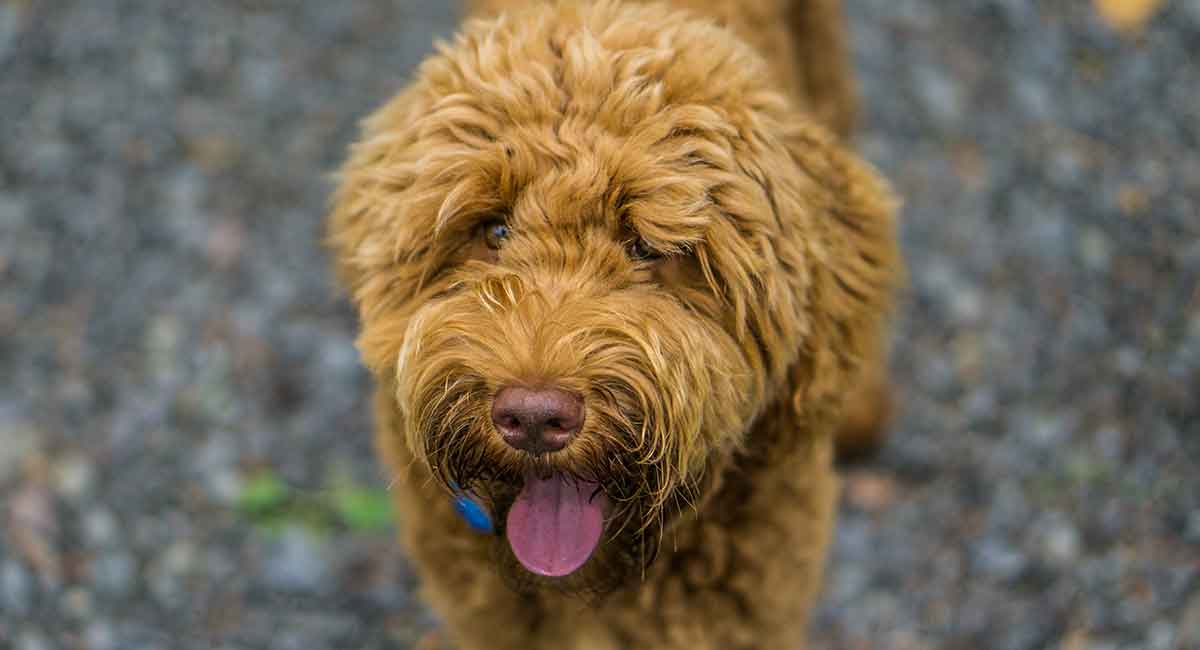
<point>169,331</point>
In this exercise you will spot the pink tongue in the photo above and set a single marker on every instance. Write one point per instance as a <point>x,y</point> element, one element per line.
<point>555,524</point>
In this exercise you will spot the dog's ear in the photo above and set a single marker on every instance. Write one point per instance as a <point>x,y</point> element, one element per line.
<point>372,229</point>
<point>370,223</point>
<point>849,235</point>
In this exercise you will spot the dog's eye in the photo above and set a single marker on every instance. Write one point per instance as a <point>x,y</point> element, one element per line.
<point>494,233</point>
<point>639,250</point>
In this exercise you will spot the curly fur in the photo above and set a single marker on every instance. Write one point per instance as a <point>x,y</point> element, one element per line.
<point>714,374</point>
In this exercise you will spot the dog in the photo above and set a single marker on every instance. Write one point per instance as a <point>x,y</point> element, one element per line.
<point>621,282</point>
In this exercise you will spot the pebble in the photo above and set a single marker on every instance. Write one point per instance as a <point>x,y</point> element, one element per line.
<point>32,640</point>
<point>216,462</point>
<point>224,486</point>
<point>15,588</point>
<point>999,559</point>
<point>848,584</point>
<point>1095,249</point>
<point>1192,531</point>
<point>1189,623</point>
<point>980,404</point>
<point>74,476</point>
<point>1160,636</point>
<point>1129,361</point>
<point>167,574</point>
<point>1042,429</point>
<point>296,562</point>
<point>99,635</point>
<point>19,440</point>
<point>939,94</point>
<point>10,22</point>
<point>966,305</point>
<point>100,528</point>
<point>77,603</point>
<point>14,210</point>
<point>1060,543</point>
<point>870,491</point>
<point>114,573</point>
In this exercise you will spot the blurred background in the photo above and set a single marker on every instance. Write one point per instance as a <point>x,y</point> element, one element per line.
<point>185,458</point>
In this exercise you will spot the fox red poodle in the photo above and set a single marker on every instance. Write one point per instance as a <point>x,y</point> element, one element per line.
<point>622,287</point>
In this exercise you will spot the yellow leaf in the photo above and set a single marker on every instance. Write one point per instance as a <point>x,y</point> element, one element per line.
<point>1127,16</point>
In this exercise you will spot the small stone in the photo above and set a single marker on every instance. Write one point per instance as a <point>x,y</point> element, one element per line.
<point>15,592</point>
<point>10,27</point>
<point>73,476</point>
<point>32,640</point>
<point>939,94</point>
<point>19,440</point>
<point>100,528</point>
<point>1060,542</point>
<point>1109,442</point>
<point>999,559</point>
<point>1009,502</point>
<point>224,486</point>
<point>1160,636</point>
<point>225,243</point>
<point>980,403</point>
<point>1043,429</point>
<point>77,603</point>
<point>848,583</point>
<point>166,589</point>
<point>14,209</point>
<point>966,305</point>
<point>1095,249</point>
<point>216,462</point>
<point>1034,97</point>
<point>1192,530</point>
<point>295,562</point>
<point>1192,8</point>
<point>179,558</point>
<point>113,574</point>
<point>99,636</point>
<point>34,530</point>
<point>870,491</point>
<point>1076,639</point>
<point>1132,200</point>
<point>1189,624</point>
<point>1129,361</point>
<point>163,339</point>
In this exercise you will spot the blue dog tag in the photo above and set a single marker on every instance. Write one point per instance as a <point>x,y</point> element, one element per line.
<point>472,512</point>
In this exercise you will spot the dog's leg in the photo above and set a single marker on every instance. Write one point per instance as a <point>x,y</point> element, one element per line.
<point>868,409</point>
<point>825,79</point>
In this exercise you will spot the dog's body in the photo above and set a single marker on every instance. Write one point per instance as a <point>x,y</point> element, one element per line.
<point>654,216</point>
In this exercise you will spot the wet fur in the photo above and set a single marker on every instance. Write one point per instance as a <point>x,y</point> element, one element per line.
<point>714,378</point>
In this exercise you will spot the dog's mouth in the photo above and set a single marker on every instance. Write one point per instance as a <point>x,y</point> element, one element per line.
<point>555,523</point>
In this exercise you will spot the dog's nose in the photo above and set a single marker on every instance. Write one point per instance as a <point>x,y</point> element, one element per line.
<point>537,420</point>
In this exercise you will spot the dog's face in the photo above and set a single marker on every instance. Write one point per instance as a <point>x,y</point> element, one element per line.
<point>589,247</point>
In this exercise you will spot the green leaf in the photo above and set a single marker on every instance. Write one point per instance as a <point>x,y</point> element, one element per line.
<point>263,493</point>
<point>363,509</point>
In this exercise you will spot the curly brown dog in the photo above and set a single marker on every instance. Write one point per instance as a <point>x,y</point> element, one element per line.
<point>619,278</point>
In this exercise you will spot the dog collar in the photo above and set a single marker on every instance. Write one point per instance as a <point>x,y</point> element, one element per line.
<point>473,512</point>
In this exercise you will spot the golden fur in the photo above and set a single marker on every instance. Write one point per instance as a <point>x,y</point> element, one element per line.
<point>714,371</point>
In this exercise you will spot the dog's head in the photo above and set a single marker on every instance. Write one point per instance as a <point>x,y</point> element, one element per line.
<point>589,246</point>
